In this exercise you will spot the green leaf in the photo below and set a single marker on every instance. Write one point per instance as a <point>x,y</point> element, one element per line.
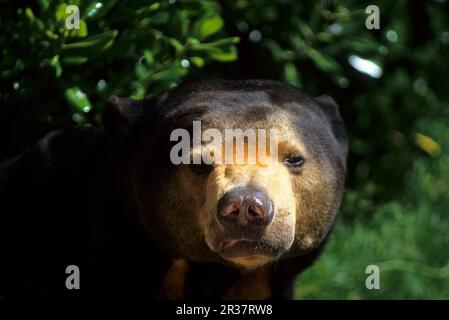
<point>57,65</point>
<point>77,99</point>
<point>222,43</point>
<point>81,32</point>
<point>275,49</point>
<point>305,29</point>
<point>191,41</point>
<point>207,26</point>
<point>171,74</point>
<point>141,71</point>
<point>178,24</point>
<point>75,60</point>
<point>360,44</point>
<point>29,14</point>
<point>197,61</point>
<point>155,6</point>
<point>323,62</point>
<point>99,41</point>
<point>179,47</point>
<point>89,47</point>
<point>60,12</point>
<point>159,18</point>
<point>291,74</point>
<point>34,21</point>
<point>224,56</point>
<point>222,50</point>
<point>225,41</point>
<point>43,4</point>
<point>149,57</point>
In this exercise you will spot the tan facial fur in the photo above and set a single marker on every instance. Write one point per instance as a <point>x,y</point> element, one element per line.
<point>275,181</point>
<point>275,178</point>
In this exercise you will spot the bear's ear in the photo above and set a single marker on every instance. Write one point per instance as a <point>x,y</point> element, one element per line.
<point>331,110</point>
<point>122,113</point>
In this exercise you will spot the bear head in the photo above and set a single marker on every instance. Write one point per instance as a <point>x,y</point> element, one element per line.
<point>199,202</point>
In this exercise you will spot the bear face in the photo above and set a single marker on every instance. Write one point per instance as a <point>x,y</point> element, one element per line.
<point>243,214</point>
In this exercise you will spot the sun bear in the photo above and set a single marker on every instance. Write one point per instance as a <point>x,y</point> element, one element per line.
<point>112,202</point>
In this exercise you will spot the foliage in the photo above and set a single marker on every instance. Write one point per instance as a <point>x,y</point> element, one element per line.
<point>391,85</point>
<point>129,48</point>
<point>407,238</point>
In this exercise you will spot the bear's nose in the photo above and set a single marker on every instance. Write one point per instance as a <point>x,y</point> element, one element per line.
<point>245,206</point>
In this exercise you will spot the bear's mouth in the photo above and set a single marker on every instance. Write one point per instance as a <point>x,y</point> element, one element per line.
<point>243,248</point>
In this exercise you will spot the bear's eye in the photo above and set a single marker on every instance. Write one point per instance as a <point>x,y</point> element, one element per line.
<point>294,161</point>
<point>201,168</point>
